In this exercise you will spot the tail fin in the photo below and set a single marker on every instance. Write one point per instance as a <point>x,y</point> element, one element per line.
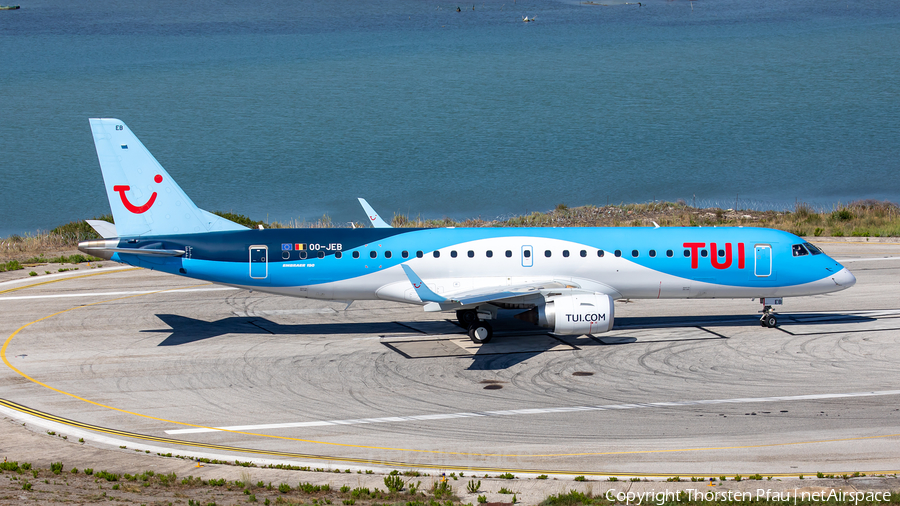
<point>144,198</point>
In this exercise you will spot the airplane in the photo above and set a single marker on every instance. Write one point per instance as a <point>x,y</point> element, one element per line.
<point>563,279</point>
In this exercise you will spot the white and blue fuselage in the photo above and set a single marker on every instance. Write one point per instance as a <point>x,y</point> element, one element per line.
<point>565,278</point>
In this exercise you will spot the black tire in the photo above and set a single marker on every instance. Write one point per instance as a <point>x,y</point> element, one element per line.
<point>480,332</point>
<point>771,321</point>
<point>762,321</point>
<point>466,317</point>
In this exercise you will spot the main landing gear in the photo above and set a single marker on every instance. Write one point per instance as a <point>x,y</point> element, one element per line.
<point>479,330</point>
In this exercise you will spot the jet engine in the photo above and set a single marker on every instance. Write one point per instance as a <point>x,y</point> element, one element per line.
<point>574,314</point>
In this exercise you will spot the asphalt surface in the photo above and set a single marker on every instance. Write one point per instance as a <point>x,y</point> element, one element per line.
<point>128,357</point>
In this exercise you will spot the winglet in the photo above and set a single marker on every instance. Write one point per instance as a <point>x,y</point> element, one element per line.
<point>376,220</point>
<point>422,290</point>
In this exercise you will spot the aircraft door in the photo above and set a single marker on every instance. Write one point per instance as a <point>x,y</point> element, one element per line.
<point>259,262</point>
<point>763,260</point>
<point>527,256</point>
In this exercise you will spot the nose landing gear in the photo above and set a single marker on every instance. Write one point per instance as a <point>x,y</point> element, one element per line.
<point>768,318</point>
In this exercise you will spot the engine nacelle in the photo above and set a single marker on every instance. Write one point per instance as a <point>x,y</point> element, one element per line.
<point>573,314</point>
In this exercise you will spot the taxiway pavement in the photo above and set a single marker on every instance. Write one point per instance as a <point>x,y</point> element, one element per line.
<point>129,357</point>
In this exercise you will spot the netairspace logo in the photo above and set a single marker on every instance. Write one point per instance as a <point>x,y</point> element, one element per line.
<point>783,496</point>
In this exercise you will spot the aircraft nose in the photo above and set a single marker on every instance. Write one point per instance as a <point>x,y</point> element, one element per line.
<point>844,278</point>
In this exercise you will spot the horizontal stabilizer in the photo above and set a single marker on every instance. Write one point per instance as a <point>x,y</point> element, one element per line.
<point>106,229</point>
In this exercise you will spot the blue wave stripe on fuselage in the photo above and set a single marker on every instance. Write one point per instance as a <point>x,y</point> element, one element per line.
<point>224,256</point>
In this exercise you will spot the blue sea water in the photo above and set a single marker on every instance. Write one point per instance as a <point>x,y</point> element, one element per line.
<point>286,109</point>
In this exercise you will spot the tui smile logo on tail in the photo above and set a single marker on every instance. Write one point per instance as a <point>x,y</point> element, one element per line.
<point>131,207</point>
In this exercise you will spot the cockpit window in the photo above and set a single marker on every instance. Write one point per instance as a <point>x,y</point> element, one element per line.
<point>799,250</point>
<point>812,249</point>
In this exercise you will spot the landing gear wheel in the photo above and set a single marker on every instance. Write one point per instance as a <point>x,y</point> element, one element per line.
<point>480,332</point>
<point>466,317</point>
<point>770,321</point>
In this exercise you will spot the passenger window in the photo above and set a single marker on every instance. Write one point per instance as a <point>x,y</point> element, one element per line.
<point>373,254</point>
<point>704,253</point>
<point>453,254</point>
<point>302,255</point>
<point>285,254</point>
<point>583,253</point>
<point>404,254</point>
<point>419,254</point>
<point>547,253</point>
<point>799,250</point>
<point>634,253</point>
<point>356,254</point>
<point>387,254</point>
<point>338,255</point>
<point>669,253</point>
<point>471,254</point>
<point>687,253</point>
<point>618,253</point>
<point>508,254</point>
<point>527,253</point>
<point>489,253</point>
<point>437,254</point>
<point>653,253</point>
<point>566,253</point>
<point>721,252</point>
<point>600,253</point>
<point>321,254</point>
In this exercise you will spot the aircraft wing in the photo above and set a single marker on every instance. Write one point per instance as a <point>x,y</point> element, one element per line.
<point>374,219</point>
<point>479,295</point>
<point>495,293</point>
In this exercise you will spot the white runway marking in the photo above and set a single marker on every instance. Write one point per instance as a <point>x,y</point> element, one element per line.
<point>110,294</point>
<point>843,260</point>
<point>536,411</point>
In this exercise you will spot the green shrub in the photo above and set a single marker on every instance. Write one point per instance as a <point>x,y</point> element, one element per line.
<point>507,476</point>
<point>572,498</point>
<point>284,488</point>
<point>580,478</point>
<point>473,486</point>
<point>441,489</point>
<point>9,466</point>
<point>107,476</point>
<point>394,483</point>
<point>482,499</point>
<point>12,265</point>
<point>56,467</point>
<point>842,214</point>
